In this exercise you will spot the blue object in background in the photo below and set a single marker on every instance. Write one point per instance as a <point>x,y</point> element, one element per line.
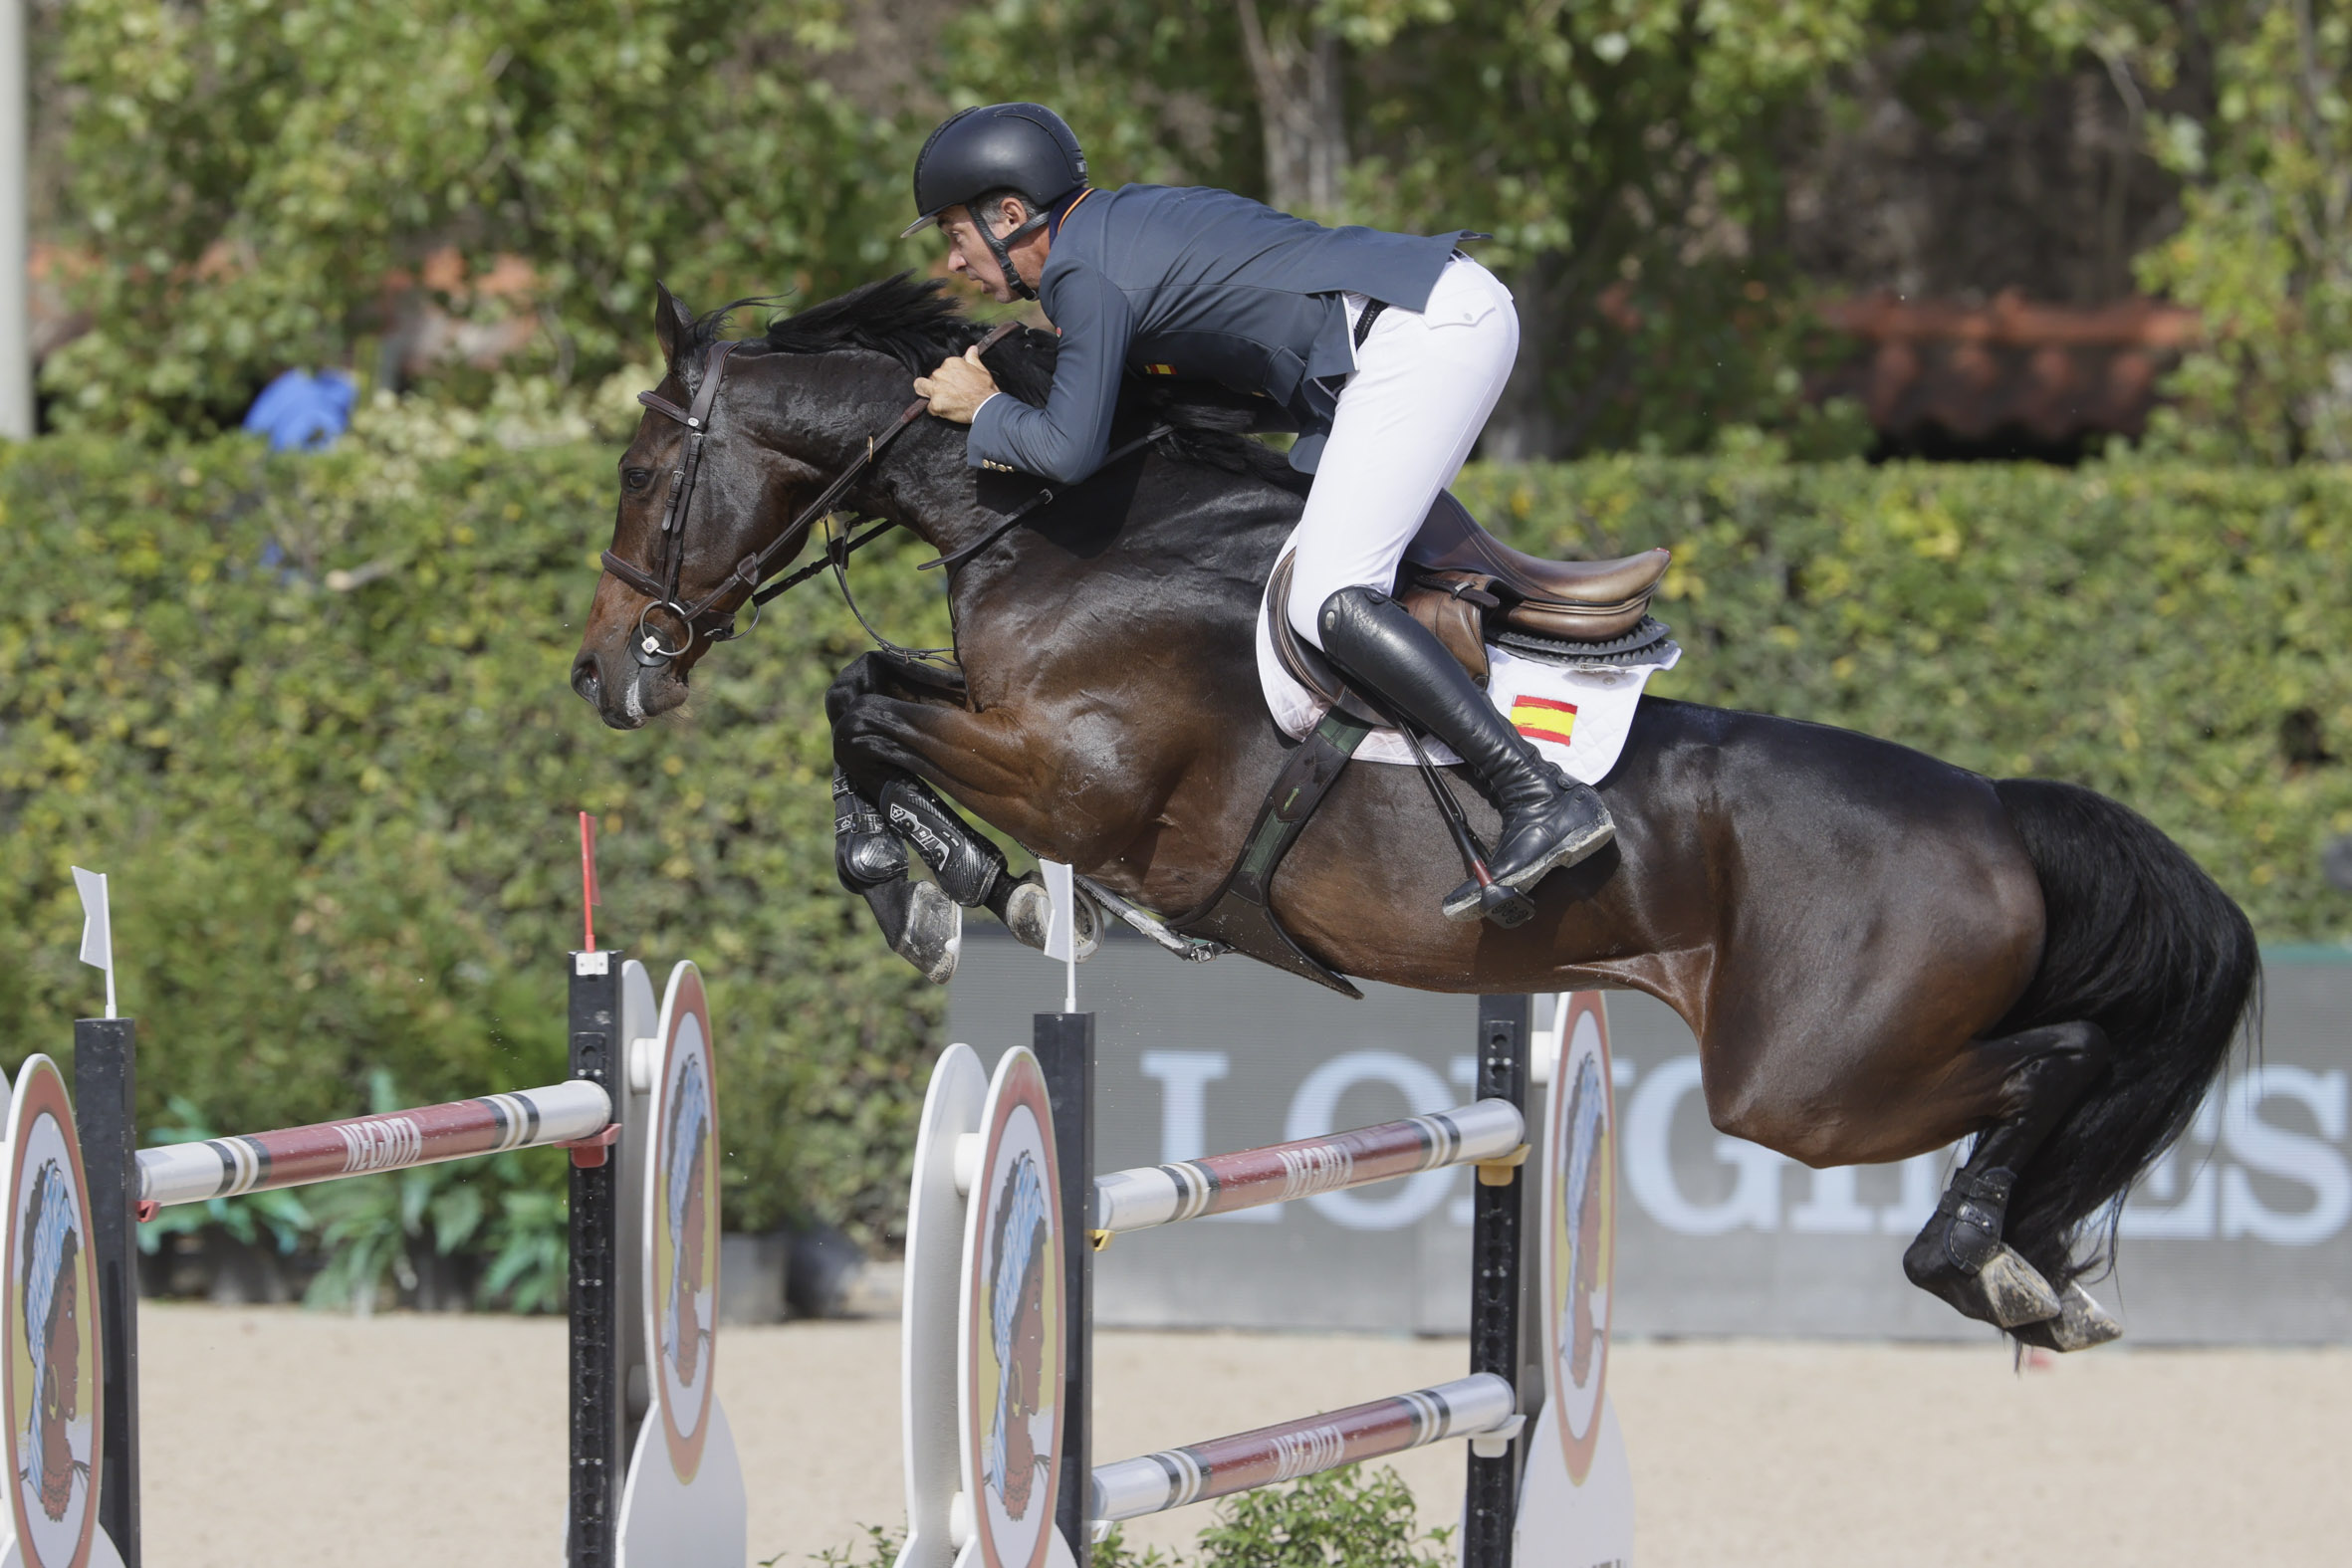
<point>304,413</point>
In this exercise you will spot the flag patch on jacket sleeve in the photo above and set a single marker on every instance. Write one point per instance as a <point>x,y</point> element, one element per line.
<point>1159,370</point>
<point>1542,719</point>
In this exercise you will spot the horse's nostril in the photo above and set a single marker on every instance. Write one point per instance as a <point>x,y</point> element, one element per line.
<point>583,676</point>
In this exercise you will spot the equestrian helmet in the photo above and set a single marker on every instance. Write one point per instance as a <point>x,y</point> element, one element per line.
<point>1022,147</point>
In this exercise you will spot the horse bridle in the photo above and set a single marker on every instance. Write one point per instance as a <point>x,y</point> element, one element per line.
<point>660,586</point>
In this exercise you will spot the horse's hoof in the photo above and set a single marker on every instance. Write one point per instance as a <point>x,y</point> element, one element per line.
<point>2013,1291</point>
<point>2004,1291</point>
<point>924,925</point>
<point>1029,913</point>
<point>2080,1324</point>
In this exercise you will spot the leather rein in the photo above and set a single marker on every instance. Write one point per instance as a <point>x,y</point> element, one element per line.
<point>660,584</point>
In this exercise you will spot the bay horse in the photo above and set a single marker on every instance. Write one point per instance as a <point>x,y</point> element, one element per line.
<point>1878,952</point>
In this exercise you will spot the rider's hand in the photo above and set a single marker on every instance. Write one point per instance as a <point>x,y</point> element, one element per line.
<point>958,387</point>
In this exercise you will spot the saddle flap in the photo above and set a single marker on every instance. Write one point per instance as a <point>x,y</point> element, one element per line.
<point>1453,606</point>
<point>1454,613</point>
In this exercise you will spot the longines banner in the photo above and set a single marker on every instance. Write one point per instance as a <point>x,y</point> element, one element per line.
<point>2245,1233</point>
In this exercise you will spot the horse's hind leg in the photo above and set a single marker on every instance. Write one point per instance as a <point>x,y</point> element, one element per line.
<point>1960,1255</point>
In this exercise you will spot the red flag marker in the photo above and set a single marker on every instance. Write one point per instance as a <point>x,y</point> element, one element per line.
<point>589,899</point>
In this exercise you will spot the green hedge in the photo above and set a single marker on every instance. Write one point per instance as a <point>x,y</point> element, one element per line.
<point>340,824</point>
<point>2175,639</point>
<point>341,828</point>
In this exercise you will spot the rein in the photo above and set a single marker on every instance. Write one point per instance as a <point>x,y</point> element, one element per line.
<point>956,558</point>
<point>661,584</point>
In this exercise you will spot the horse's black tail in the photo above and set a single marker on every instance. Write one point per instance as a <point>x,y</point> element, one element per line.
<point>2142,943</point>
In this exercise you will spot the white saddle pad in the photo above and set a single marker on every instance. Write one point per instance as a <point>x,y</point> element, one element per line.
<point>1577,718</point>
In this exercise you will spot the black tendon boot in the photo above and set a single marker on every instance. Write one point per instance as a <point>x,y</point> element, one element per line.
<point>969,868</point>
<point>1549,819</point>
<point>867,853</point>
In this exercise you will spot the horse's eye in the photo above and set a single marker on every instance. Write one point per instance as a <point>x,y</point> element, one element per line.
<point>636,478</point>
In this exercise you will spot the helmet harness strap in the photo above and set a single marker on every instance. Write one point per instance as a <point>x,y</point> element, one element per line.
<point>999,248</point>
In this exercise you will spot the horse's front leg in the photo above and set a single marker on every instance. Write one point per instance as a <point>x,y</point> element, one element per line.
<point>867,853</point>
<point>922,924</point>
<point>880,800</point>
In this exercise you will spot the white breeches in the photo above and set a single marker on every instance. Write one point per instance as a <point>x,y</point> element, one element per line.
<point>1424,383</point>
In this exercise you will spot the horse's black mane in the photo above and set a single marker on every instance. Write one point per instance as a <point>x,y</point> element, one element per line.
<point>911,320</point>
<point>916,323</point>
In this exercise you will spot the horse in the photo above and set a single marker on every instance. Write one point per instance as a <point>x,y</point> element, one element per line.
<point>1879,953</point>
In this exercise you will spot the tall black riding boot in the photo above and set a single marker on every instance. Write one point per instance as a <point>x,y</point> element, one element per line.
<point>1549,819</point>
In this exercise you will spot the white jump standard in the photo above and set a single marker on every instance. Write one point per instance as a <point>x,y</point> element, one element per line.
<point>654,1479</point>
<point>997,1349</point>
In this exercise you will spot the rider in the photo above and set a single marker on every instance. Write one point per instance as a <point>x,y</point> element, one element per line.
<point>1205,284</point>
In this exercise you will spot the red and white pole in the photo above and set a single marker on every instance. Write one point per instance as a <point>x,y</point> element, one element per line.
<point>1156,1195</point>
<point>189,1173</point>
<point>1172,1477</point>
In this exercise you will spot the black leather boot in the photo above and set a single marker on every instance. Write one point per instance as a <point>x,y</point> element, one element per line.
<point>1549,819</point>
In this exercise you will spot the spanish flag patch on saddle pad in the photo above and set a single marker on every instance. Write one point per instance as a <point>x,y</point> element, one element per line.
<point>1545,719</point>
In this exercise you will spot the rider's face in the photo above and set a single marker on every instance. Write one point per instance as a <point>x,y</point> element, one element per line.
<point>967,255</point>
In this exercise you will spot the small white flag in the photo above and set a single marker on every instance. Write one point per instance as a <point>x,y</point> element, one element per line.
<point>1061,928</point>
<point>97,928</point>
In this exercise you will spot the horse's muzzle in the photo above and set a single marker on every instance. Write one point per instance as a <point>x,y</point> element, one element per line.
<point>621,702</point>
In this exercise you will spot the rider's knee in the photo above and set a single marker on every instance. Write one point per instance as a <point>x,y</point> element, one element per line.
<point>1303,609</point>
<point>1354,607</point>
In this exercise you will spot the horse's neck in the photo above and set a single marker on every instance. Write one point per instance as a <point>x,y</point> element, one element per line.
<point>924,492</point>
<point>1158,560</point>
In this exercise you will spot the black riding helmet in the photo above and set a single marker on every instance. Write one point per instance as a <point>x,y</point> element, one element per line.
<point>1021,148</point>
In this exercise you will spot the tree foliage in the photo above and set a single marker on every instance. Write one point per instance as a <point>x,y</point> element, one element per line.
<point>250,186</point>
<point>263,183</point>
<point>1629,156</point>
<point>2266,251</point>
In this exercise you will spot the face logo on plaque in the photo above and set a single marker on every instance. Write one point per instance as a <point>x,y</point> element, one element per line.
<point>688,1141</point>
<point>682,1272</point>
<point>1019,1245</point>
<point>52,1372</point>
<point>50,1294</point>
<point>1013,1324</point>
<point>1582,1217</point>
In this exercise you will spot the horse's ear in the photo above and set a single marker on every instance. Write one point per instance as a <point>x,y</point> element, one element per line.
<point>672,322</point>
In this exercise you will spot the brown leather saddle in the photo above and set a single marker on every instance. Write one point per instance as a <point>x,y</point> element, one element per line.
<point>1470,588</point>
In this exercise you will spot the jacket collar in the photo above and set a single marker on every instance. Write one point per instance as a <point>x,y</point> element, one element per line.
<point>1053,220</point>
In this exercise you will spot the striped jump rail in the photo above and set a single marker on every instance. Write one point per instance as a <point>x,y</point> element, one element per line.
<point>1465,1408</point>
<point>1157,1195</point>
<point>190,1173</point>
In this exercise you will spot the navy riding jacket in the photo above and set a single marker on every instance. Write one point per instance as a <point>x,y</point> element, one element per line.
<point>1202,283</point>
